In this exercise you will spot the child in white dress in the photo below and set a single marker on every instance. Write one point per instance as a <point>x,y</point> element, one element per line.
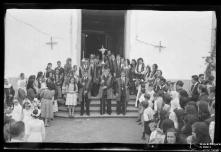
<point>21,84</point>
<point>26,113</point>
<point>72,94</point>
<point>140,106</point>
<point>17,111</point>
<point>35,128</point>
<point>175,104</point>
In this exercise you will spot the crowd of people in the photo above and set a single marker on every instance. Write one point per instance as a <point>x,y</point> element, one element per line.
<point>171,115</point>
<point>167,112</point>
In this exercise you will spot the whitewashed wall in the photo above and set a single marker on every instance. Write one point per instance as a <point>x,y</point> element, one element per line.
<point>25,48</point>
<point>186,35</point>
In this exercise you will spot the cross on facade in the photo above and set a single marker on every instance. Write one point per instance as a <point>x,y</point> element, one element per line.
<point>160,47</point>
<point>51,43</point>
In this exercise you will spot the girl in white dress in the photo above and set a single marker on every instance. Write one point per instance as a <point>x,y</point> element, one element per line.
<point>17,111</point>
<point>22,93</point>
<point>174,104</point>
<point>35,128</point>
<point>26,113</point>
<point>71,99</point>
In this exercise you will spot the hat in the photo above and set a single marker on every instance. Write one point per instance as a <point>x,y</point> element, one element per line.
<point>36,113</point>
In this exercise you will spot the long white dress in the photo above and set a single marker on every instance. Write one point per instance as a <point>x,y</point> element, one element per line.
<point>27,118</point>
<point>71,95</point>
<point>17,113</point>
<point>35,130</point>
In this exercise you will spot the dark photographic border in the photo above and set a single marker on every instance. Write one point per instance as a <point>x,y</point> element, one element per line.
<point>141,6</point>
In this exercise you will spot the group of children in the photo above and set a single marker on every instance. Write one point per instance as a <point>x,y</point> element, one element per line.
<point>168,114</point>
<point>166,110</point>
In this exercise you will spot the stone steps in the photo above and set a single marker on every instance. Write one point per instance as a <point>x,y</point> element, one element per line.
<point>97,115</point>
<point>95,109</point>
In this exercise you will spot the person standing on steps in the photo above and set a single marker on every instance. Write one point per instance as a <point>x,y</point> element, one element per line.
<point>59,79</point>
<point>84,87</point>
<point>107,92</point>
<point>122,93</point>
<point>71,100</point>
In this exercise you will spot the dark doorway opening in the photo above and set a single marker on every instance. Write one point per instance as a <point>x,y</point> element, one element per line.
<point>102,27</point>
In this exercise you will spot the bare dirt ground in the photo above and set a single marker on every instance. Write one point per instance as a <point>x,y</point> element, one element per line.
<point>94,130</point>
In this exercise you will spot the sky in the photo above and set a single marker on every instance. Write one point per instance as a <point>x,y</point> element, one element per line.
<point>186,36</point>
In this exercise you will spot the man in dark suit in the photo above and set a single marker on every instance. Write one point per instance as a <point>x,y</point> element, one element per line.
<point>118,66</point>
<point>116,72</point>
<point>106,87</point>
<point>95,76</point>
<point>184,97</point>
<point>122,93</point>
<point>84,87</point>
<point>179,88</point>
<point>59,79</point>
<point>194,88</point>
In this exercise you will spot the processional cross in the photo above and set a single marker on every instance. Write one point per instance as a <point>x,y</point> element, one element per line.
<point>51,43</point>
<point>102,50</point>
<point>160,47</point>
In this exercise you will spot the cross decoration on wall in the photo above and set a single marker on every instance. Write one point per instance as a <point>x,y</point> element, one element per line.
<point>160,47</point>
<point>51,43</point>
<point>156,46</point>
